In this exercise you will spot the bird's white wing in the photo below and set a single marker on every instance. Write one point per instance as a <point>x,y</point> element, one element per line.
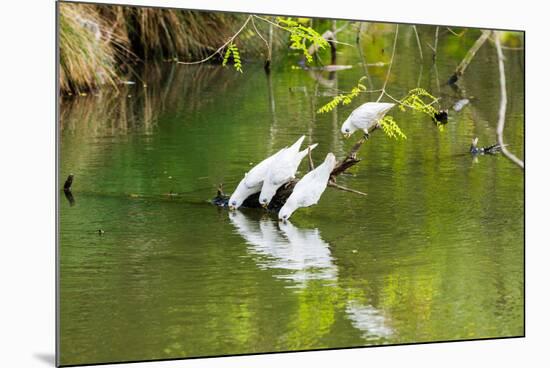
<point>283,169</point>
<point>364,116</point>
<point>368,114</point>
<point>308,191</point>
<point>257,174</point>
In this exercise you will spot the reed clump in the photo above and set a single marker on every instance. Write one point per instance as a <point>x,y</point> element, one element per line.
<point>86,58</point>
<point>99,44</point>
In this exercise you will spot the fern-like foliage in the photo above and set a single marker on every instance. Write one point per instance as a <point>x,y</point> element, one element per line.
<point>390,127</point>
<point>415,100</point>
<point>418,99</point>
<point>343,98</point>
<point>301,35</point>
<point>233,51</point>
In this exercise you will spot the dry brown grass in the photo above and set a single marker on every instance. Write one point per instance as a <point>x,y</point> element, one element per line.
<point>99,43</point>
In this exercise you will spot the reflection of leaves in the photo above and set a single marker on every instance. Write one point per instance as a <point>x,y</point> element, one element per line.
<point>315,316</point>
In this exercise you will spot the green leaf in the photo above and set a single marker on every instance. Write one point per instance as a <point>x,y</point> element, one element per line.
<point>390,128</point>
<point>301,36</point>
<point>233,51</point>
<point>344,98</point>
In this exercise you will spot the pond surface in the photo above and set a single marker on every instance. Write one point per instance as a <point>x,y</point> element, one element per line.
<point>434,252</point>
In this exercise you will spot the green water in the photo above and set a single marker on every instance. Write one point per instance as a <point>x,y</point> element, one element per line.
<point>434,252</point>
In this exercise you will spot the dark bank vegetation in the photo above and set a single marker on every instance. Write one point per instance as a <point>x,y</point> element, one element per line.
<point>100,45</point>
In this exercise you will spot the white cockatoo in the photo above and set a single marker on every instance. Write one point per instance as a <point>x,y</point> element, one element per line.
<point>282,170</point>
<point>252,182</point>
<point>365,117</point>
<point>309,189</point>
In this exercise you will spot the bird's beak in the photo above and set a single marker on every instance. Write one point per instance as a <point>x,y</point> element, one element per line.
<point>347,135</point>
<point>264,205</point>
<point>232,208</point>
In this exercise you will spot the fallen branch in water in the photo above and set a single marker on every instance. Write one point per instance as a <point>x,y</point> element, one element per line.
<point>68,183</point>
<point>282,194</point>
<point>345,189</point>
<point>502,109</point>
<point>461,68</point>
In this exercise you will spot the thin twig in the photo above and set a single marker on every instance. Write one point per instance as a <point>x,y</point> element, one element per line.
<point>418,42</point>
<point>220,48</point>
<point>364,63</point>
<point>342,27</point>
<point>310,160</point>
<point>461,68</point>
<point>456,34</point>
<point>391,63</point>
<point>260,35</point>
<point>503,101</point>
<point>345,189</point>
<point>436,41</point>
<point>289,30</point>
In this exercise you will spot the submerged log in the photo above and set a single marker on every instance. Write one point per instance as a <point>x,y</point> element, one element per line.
<point>282,194</point>
<point>67,189</point>
<point>68,183</point>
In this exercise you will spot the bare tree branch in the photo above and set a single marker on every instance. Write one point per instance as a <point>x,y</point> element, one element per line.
<point>503,101</point>
<point>436,41</point>
<point>345,189</point>
<point>418,43</point>
<point>310,160</point>
<point>461,68</point>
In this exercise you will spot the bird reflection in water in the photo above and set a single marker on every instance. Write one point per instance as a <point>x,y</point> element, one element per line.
<point>373,324</point>
<point>301,254</point>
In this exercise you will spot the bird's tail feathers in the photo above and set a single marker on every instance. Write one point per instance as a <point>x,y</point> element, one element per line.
<point>296,146</point>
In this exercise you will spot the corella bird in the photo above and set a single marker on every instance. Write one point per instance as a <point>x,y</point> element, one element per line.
<point>282,170</point>
<point>308,190</point>
<point>365,117</point>
<point>252,182</point>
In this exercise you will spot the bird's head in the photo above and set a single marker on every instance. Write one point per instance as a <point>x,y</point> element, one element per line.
<point>236,199</point>
<point>347,128</point>
<point>267,193</point>
<point>285,212</point>
<point>232,205</point>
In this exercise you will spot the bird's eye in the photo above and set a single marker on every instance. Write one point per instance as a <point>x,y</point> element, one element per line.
<point>264,200</point>
<point>284,217</point>
<point>234,203</point>
<point>347,130</point>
